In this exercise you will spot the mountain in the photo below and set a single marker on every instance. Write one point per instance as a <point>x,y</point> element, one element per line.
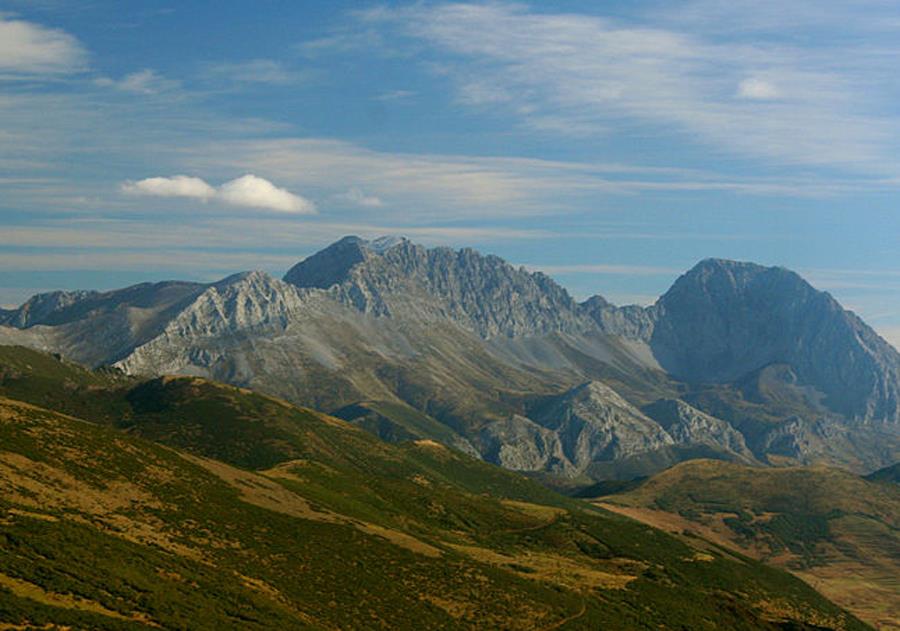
<point>484,294</point>
<point>466,349</point>
<point>689,426</point>
<point>178,502</point>
<point>101,327</point>
<point>568,433</point>
<point>837,531</point>
<point>723,320</point>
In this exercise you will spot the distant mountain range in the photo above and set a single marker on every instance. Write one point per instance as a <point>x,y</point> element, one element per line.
<point>736,361</point>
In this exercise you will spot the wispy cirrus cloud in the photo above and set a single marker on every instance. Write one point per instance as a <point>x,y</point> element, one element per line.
<point>356,197</point>
<point>254,71</point>
<point>145,82</point>
<point>804,105</point>
<point>247,191</point>
<point>428,185</point>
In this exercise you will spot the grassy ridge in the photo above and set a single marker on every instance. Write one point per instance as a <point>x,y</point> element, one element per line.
<point>196,505</point>
<point>839,531</point>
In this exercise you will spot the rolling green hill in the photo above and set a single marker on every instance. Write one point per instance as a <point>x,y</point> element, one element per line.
<point>838,531</point>
<point>186,504</point>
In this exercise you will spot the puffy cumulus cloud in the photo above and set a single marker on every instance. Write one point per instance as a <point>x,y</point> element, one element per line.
<point>176,186</point>
<point>757,90</point>
<point>248,191</point>
<point>257,192</point>
<point>31,48</point>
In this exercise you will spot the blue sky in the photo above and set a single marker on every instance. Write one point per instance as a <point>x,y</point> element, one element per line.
<point>610,144</point>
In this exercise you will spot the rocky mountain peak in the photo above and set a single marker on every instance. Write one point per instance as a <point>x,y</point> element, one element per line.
<point>252,277</point>
<point>394,277</point>
<point>596,302</point>
<point>723,320</point>
<point>329,266</point>
<point>61,307</point>
<point>239,301</point>
<point>689,426</point>
<point>385,243</point>
<point>722,279</point>
<point>41,308</point>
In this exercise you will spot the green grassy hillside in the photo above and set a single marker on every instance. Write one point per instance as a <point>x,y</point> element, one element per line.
<point>185,504</point>
<point>835,529</point>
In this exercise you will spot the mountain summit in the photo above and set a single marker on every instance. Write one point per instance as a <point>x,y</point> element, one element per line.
<point>485,294</point>
<point>723,320</point>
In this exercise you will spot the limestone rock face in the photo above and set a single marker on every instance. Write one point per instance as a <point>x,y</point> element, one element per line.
<point>41,308</point>
<point>568,433</point>
<point>230,308</point>
<point>520,444</point>
<point>397,278</point>
<point>100,327</point>
<point>689,426</point>
<point>630,321</point>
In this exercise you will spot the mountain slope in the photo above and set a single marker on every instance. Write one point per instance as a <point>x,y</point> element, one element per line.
<point>838,531</point>
<point>689,426</point>
<point>568,433</point>
<point>101,327</point>
<point>102,528</point>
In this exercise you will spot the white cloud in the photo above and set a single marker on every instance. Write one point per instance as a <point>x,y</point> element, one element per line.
<point>248,191</point>
<point>256,192</point>
<point>26,47</point>
<point>254,71</point>
<point>145,81</point>
<point>341,42</point>
<point>175,186</point>
<point>757,89</point>
<point>358,198</point>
